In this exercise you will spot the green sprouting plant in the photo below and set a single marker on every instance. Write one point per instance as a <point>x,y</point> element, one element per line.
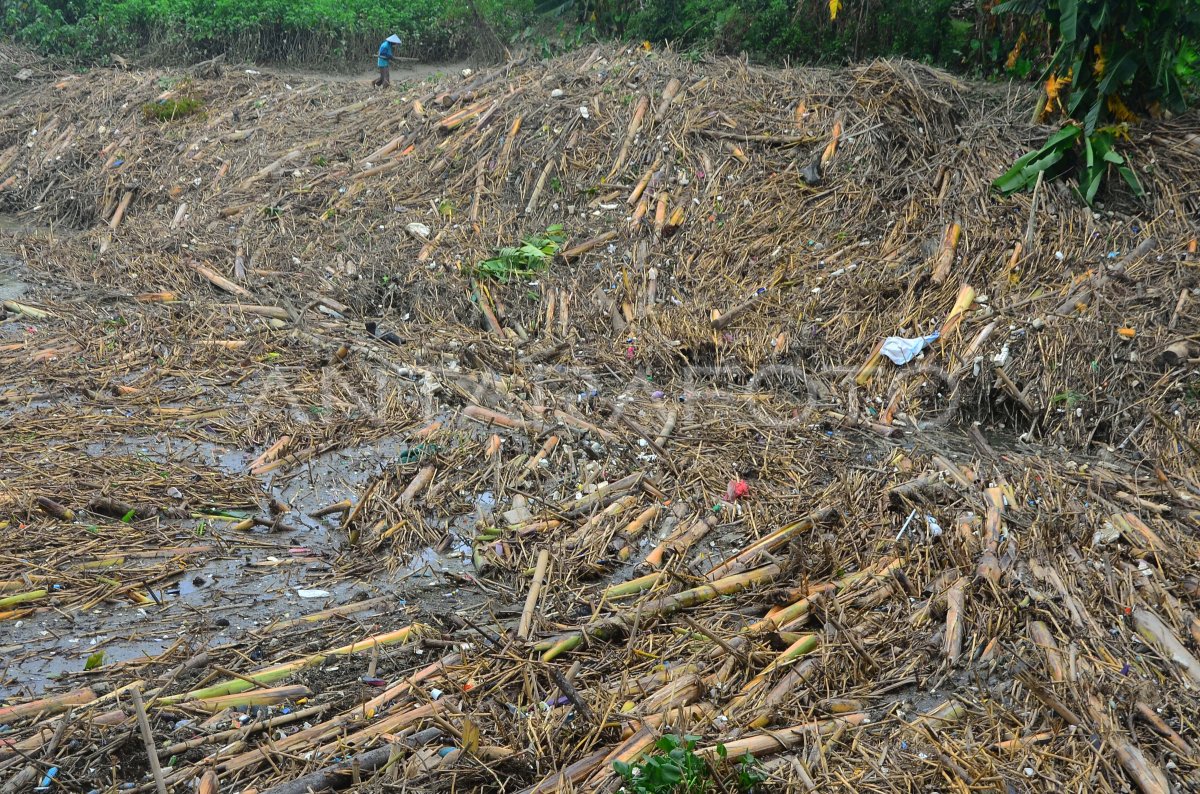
<point>1058,153</point>
<point>1068,398</point>
<point>171,109</point>
<point>523,261</point>
<point>676,769</point>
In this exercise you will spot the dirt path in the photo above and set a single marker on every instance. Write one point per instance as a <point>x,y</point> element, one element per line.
<point>407,72</point>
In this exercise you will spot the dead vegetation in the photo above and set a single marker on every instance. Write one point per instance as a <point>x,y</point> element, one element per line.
<point>684,482</point>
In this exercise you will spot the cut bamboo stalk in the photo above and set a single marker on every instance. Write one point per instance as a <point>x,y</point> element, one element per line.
<point>955,601</point>
<point>271,454</point>
<point>784,689</point>
<point>386,149</point>
<point>761,745</point>
<point>270,169</point>
<point>657,608</point>
<point>148,740</point>
<point>865,372</point>
<point>489,417</point>
<point>220,281</point>
<point>581,535</point>
<point>831,147</point>
<point>638,214</point>
<point>538,186</point>
<point>635,586</point>
<point>121,208</point>
<point>643,182</point>
<point>635,124</point>
<point>668,428</point>
<point>949,712</point>
<point>22,598</point>
<point>570,775</point>
<point>47,706</point>
<point>542,453</point>
<point>1040,634</point>
<point>535,586</point>
<point>660,213</point>
<point>1160,726</point>
<point>989,565</point>
<point>506,152</point>
<point>584,247</point>
<point>1022,742</point>
<point>418,484</point>
<point>1148,778</point>
<point>752,553</point>
<point>804,645</point>
<point>668,97</point>
<point>962,305</point>
<point>269,675</point>
<point>1159,636</point>
<point>27,310</point>
<point>681,540</point>
<point>343,506</point>
<point>396,161</point>
<point>338,611</point>
<point>53,508</point>
<point>259,697</point>
<point>457,119</point>
<point>945,257</point>
<point>435,670</point>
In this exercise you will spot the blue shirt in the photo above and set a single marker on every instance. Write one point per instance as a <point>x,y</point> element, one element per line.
<point>385,52</point>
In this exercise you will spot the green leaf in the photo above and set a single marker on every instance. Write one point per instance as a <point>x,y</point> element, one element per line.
<point>1131,179</point>
<point>94,661</point>
<point>1068,17</point>
<point>667,743</point>
<point>1024,7</point>
<point>1115,74</point>
<point>722,752</point>
<point>670,775</point>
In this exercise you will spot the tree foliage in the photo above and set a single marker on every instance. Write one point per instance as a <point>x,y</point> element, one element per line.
<point>1114,61</point>
<point>266,30</point>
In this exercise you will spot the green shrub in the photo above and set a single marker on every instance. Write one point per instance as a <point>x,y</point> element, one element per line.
<point>1115,62</point>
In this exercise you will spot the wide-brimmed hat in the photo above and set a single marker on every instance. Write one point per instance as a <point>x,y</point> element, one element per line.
<point>394,39</point>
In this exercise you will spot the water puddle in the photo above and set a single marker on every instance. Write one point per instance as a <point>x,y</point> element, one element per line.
<point>241,584</point>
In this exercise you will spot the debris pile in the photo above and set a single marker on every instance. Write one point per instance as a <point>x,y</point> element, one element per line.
<point>476,435</point>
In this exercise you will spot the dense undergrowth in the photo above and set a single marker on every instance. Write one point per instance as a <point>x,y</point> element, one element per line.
<point>955,33</point>
<point>317,32</point>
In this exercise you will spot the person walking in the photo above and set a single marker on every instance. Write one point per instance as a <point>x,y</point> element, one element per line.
<point>384,61</point>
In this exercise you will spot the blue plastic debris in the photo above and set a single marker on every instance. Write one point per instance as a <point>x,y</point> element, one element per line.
<point>47,779</point>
